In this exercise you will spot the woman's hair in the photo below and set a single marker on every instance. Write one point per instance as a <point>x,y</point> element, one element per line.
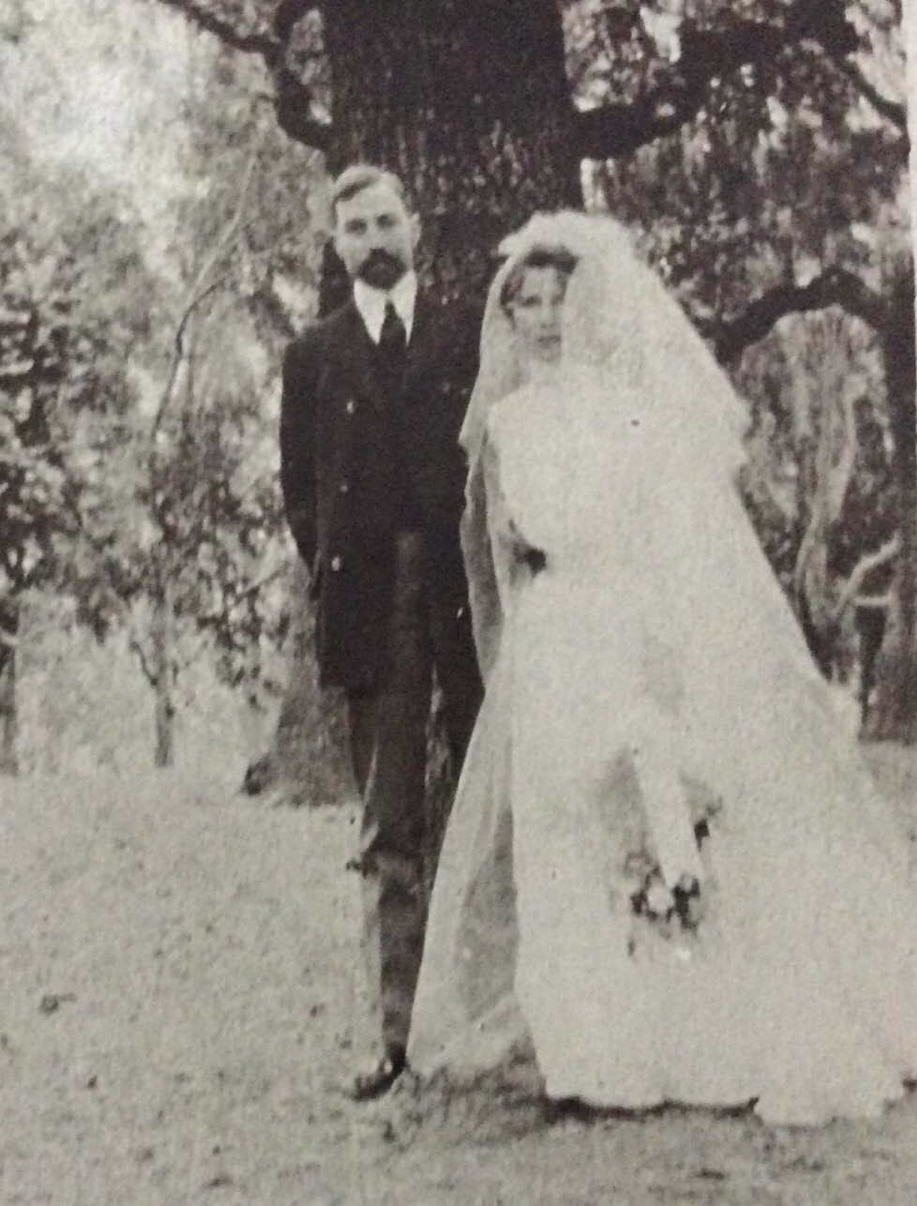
<point>558,258</point>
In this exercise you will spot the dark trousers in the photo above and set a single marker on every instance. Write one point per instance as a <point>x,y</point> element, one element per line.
<point>388,739</point>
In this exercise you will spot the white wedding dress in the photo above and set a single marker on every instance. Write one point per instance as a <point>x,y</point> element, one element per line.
<point>654,641</point>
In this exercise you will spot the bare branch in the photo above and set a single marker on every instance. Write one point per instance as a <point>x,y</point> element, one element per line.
<point>875,602</point>
<point>709,55</point>
<point>292,100</point>
<point>135,647</point>
<point>255,587</point>
<point>840,475</point>
<point>289,13</point>
<point>228,237</point>
<point>200,291</point>
<point>891,110</point>
<point>834,287</point>
<point>864,567</point>
<point>200,15</point>
<point>293,106</point>
<point>833,475</point>
<point>178,353</point>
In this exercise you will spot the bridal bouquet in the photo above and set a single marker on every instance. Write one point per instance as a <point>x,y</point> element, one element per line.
<point>672,914</point>
<point>660,904</point>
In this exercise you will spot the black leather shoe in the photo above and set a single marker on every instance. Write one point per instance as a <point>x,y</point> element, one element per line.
<point>370,1085</point>
<point>558,1109</point>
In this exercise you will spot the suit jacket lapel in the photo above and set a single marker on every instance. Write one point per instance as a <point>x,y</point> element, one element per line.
<point>356,349</point>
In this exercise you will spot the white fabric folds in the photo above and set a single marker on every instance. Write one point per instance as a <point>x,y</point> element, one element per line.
<point>650,679</point>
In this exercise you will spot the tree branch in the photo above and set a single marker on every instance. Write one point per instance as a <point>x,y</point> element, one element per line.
<point>293,106</point>
<point>200,291</point>
<point>833,474</point>
<point>256,587</point>
<point>289,13</point>
<point>148,673</point>
<point>200,15</point>
<point>708,55</point>
<point>840,474</point>
<point>864,567</point>
<point>292,99</point>
<point>889,109</point>
<point>834,287</point>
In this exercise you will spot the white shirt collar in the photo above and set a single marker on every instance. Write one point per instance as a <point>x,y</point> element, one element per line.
<point>371,303</point>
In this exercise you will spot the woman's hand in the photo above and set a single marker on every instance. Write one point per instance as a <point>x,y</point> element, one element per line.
<point>534,559</point>
<point>524,553</point>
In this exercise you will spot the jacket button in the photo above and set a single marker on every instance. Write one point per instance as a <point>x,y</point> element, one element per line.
<point>344,488</point>
<point>335,563</point>
<point>351,406</point>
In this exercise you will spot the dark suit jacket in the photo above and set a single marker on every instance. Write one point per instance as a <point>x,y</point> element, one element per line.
<point>337,487</point>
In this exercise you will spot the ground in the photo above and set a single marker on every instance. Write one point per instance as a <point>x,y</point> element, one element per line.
<point>179,1014</point>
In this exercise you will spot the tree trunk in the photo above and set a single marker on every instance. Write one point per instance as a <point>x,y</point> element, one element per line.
<point>162,633</point>
<point>896,707</point>
<point>896,711</point>
<point>816,587</point>
<point>469,103</point>
<point>309,759</point>
<point>9,711</point>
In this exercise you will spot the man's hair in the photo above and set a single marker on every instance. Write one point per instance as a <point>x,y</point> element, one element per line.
<point>542,256</point>
<point>359,176</point>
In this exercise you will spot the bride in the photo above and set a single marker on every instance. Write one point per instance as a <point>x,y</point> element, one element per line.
<point>666,870</point>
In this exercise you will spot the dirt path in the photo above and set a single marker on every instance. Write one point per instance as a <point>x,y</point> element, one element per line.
<point>177,1018</point>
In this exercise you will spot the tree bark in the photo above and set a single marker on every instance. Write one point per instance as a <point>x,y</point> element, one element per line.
<point>308,762</point>
<point>9,710</point>
<point>833,287</point>
<point>896,707</point>
<point>815,586</point>
<point>162,634</point>
<point>709,54</point>
<point>469,103</point>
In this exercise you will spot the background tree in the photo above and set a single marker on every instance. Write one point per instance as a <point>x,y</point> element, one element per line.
<point>178,540</point>
<point>468,103</point>
<point>720,103</point>
<point>71,283</point>
<point>709,112</point>
<point>779,196</point>
<point>267,286</point>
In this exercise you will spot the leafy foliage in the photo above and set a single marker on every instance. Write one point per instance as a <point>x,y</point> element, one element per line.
<point>758,147</point>
<point>781,191</point>
<point>138,460</point>
<point>72,291</point>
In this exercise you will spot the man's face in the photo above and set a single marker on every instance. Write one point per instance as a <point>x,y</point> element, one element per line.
<point>375,235</point>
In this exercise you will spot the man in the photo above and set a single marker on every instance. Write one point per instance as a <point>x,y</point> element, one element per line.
<point>373,483</point>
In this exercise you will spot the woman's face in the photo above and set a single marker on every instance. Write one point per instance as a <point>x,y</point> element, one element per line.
<point>536,313</point>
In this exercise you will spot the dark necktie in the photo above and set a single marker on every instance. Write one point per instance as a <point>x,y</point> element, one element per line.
<point>392,351</point>
<point>393,339</point>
